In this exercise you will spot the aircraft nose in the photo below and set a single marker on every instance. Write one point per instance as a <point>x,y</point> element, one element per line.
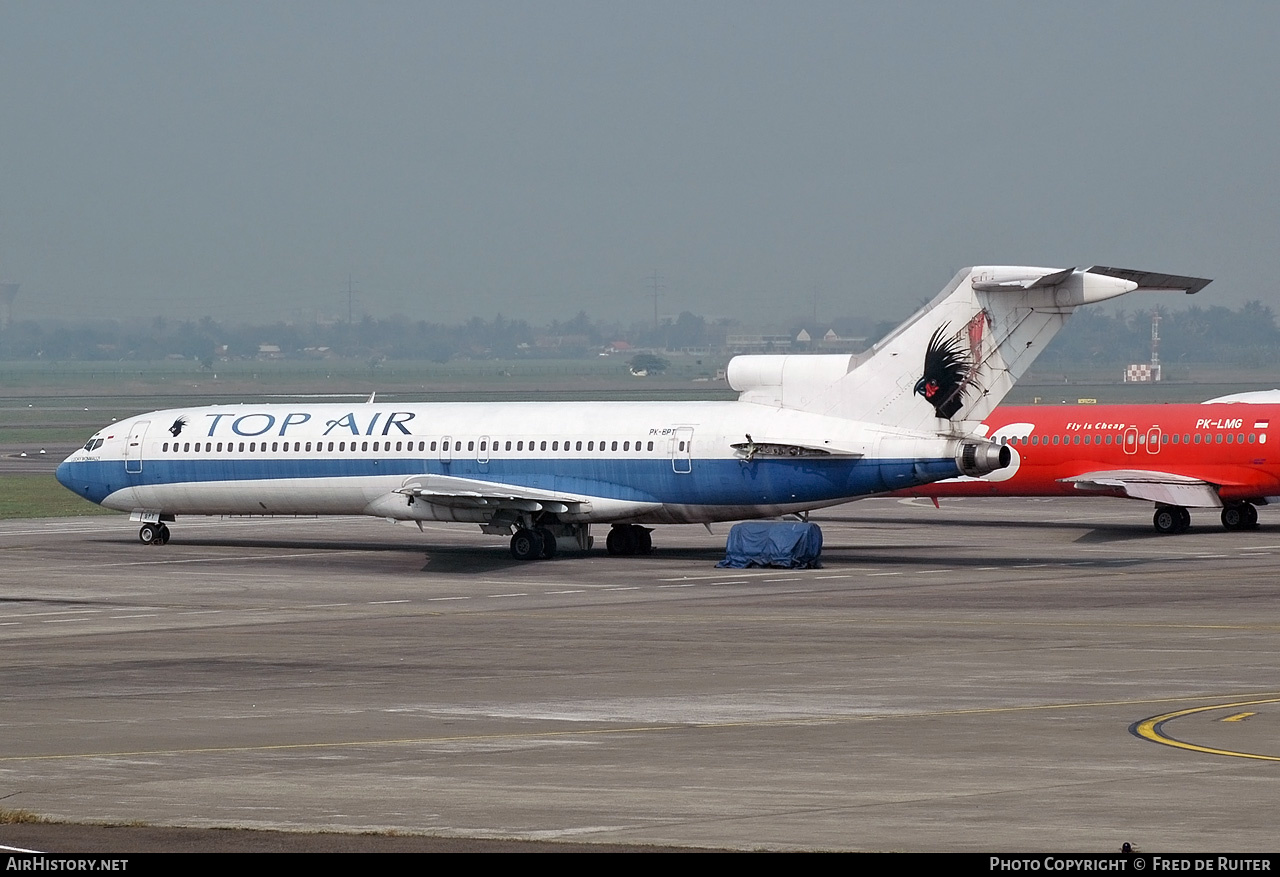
<point>72,475</point>
<point>63,474</point>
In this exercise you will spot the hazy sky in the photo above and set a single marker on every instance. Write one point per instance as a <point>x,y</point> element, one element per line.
<point>537,158</point>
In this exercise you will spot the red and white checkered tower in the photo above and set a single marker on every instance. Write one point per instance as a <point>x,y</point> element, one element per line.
<point>1155,344</point>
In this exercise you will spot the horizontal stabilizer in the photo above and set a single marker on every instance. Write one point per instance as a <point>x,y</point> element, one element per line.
<point>1150,281</point>
<point>1162,487</point>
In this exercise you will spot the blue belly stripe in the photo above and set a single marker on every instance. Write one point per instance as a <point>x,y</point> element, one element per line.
<point>711,482</point>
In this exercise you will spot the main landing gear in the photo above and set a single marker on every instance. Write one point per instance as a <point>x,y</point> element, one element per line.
<point>1240,516</point>
<point>538,543</point>
<point>1235,516</point>
<point>1171,519</point>
<point>153,534</point>
<point>627,539</point>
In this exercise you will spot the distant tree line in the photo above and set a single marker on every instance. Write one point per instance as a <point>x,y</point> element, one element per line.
<point>207,340</point>
<point>1244,337</point>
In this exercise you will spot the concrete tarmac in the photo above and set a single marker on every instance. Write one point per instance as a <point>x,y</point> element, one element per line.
<point>970,678</point>
<point>32,458</point>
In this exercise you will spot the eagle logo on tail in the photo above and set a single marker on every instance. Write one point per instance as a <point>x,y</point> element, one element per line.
<point>948,372</point>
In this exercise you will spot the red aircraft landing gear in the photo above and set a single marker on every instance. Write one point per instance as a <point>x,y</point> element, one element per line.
<point>1240,516</point>
<point>1171,519</point>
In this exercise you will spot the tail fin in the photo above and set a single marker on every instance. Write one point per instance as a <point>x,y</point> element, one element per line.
<point>952,361</point>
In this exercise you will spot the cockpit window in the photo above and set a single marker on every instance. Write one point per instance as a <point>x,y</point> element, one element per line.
<point>93,444</point>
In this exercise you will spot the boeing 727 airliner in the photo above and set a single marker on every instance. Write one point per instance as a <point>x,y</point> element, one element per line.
<point>806,432</point>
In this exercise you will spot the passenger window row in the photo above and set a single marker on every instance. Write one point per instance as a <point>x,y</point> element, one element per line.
<point>485,445</point>
<point>1238,438</point>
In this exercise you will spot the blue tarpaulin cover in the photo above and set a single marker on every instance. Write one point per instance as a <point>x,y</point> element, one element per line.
<point>784,544</point>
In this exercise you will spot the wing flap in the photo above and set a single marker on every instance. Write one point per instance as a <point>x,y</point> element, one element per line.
<point>1162,487</point>
<point>473,493</point>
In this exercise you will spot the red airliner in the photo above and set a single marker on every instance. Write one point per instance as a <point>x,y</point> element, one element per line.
<point>1215,454</point>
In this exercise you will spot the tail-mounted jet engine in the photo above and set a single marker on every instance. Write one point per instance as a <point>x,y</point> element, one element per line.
<point>976,459</point>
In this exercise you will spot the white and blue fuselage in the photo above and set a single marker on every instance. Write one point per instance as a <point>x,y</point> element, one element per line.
<point>641,462</point>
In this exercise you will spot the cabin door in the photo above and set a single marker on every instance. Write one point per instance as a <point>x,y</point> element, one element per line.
<point>133,450</point>
<point>1153,440</point>
<point>1131,440</point>
<point>682,450</point>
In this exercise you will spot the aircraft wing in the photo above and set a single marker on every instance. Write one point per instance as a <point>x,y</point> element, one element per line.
<point>473,493</point>
<point>1161,487</point>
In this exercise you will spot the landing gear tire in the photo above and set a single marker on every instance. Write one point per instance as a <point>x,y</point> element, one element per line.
<point>1250,512</point>
<point>548,543</point>
<point>1232,518</point>
<point>164,535</point>
<point>1171,519</point>
<point>1240,516</point>
<point>622,541</point>
<point>148,534</point>
<point>1184,520</point>
<point>628,539</point>
<point>526,545</point>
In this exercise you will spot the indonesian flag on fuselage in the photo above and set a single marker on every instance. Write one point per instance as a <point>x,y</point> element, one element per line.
<point>1261,424</point>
